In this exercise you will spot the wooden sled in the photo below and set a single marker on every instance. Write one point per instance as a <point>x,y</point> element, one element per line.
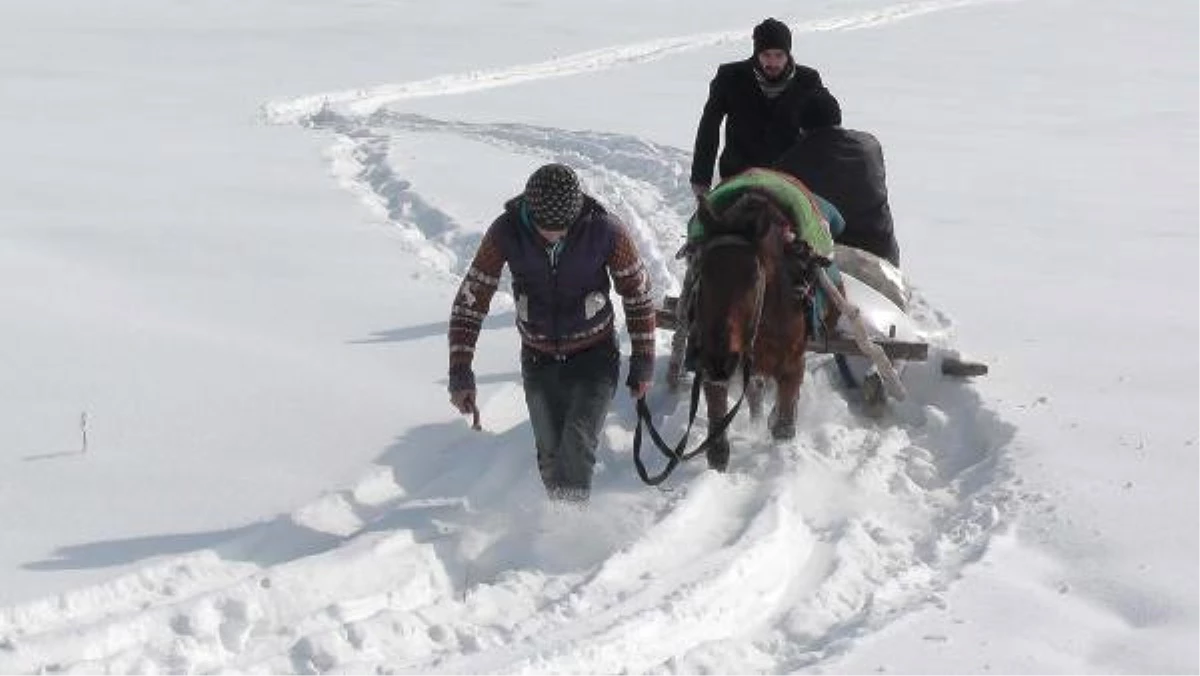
<point>836,342</point>
<point>830,343</point>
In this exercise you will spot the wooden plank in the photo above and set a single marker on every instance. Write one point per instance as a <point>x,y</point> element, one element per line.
<point>894,349</point>
<point>953,366</point>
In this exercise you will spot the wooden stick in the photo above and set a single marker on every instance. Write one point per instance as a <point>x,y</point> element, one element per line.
<point>891,379</point>
<point>954,366</point>
<point>831,343</point>
<point>894,349</point>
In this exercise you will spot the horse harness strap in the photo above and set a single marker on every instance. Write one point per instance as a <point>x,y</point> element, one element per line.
<point>719,241</point>
<point>676,455</point>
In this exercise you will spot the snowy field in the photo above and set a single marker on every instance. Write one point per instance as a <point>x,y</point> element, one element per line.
<point>230,234</point>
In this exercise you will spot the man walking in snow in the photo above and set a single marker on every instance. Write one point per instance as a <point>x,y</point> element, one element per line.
<point>565,252</point>
<point>760,100</point>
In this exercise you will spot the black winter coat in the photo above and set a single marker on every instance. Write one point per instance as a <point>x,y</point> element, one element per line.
<point>757,129</point>
<point>845,166</point>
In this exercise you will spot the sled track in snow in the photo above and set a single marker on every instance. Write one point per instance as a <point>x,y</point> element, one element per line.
<point>616,168</point>
<point>644,182</point>
<point>360,102</point>
<point>782,564</point>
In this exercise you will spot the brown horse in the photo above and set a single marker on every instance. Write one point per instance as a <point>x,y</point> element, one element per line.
<point>748,315</point>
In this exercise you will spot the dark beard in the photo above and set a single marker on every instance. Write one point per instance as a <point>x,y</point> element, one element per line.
<point>783,75</point>
<point>772,87</point>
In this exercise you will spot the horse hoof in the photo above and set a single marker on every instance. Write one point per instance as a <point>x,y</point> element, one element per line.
<point>874,395</point>
<point>782,431</point>
<point>718,456</point>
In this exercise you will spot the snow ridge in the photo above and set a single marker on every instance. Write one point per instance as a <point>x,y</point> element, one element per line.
<point>803,547</point>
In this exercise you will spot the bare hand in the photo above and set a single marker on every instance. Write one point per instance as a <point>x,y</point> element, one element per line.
<point>639,391</point>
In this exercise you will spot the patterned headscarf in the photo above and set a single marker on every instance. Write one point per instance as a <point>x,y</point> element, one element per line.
<point>553,197</point>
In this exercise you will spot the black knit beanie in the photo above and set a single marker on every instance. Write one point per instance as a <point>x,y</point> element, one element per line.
<point>553,197</point>
<point>821,110</point>
<point>772,34</point>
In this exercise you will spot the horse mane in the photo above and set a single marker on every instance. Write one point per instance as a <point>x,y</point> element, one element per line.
<point>751,216</point>
<point>756,219</point>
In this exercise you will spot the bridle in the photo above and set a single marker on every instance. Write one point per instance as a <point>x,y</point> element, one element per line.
<point>675,454</point>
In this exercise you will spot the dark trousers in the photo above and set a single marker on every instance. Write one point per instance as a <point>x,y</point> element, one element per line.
<point>568,399</point>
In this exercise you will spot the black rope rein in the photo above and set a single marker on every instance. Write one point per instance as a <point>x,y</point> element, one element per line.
<point>675,454</point>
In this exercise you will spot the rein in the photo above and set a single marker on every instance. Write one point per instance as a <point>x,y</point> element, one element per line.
<point>675,454</point>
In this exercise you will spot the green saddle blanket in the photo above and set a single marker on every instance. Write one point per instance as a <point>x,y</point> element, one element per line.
<point>792,196</point>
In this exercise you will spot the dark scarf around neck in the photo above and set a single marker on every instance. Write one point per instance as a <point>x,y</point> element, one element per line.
<point>773,88</point>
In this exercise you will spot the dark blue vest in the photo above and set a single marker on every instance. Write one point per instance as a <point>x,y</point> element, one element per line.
<point>562,292</point>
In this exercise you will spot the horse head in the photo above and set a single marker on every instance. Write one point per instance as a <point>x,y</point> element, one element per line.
<point>739,253</point>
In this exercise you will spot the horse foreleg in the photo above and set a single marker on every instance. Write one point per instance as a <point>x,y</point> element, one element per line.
<point>716,397</point>
<point>787,394</point>
<point>754,396</point>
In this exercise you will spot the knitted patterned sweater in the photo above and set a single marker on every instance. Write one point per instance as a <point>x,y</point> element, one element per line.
<point>561,290</point>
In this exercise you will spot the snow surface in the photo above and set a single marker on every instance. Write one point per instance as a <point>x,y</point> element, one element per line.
<point>231,233</point>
